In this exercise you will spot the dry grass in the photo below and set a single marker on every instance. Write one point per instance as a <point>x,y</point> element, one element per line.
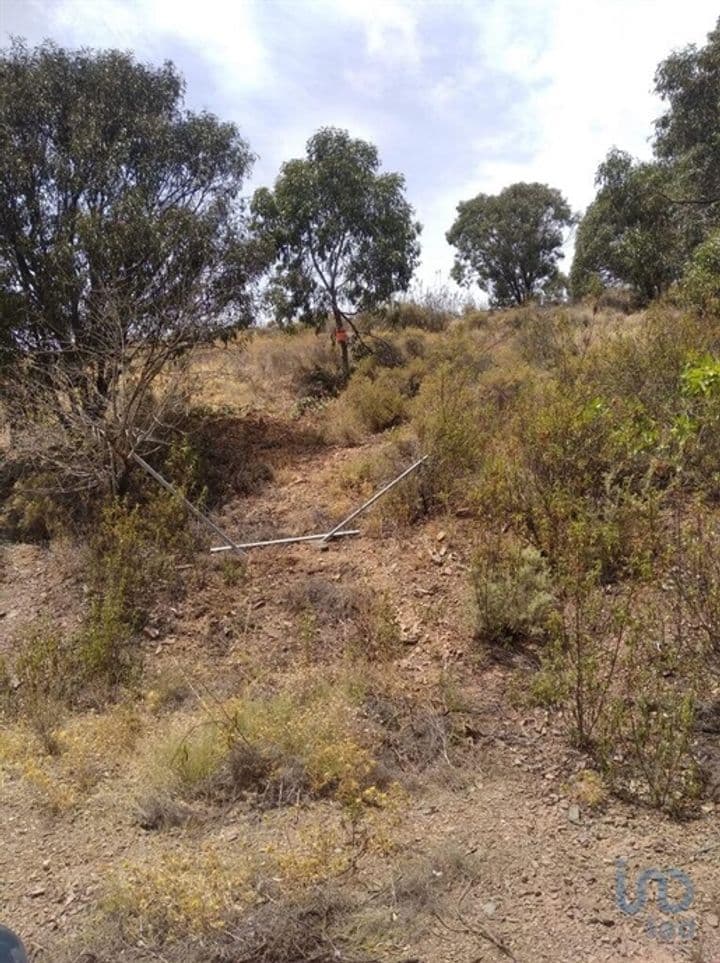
<point>304,741</point>
<point>67,763</point>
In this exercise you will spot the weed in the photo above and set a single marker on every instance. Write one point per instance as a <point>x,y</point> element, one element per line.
<point>303,741</point>
<point>513,594</point>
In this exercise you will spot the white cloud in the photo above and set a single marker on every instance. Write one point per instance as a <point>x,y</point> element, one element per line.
<point>224,32</point>
<point>589,75</point>
<point>584,72</point>
<point>464,96</point>
<point>390,28</point>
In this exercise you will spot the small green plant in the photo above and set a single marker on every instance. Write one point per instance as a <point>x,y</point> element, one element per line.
<point>513,595</point>
<point>450,423</point>
<point>303,741</point>
<point>233,571</point>
<point>377,629</point>
<point>701,283</point>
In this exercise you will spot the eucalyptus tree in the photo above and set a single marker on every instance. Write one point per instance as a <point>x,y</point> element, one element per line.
<point>630,234</point>
<point>109,189</point>
<point>123,238</point>
<point>341,234</point>
<point>510,243</point>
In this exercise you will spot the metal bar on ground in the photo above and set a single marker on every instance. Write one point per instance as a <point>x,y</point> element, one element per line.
<point>336,531</point>
<point>285,541</point>
<point>231,546</point>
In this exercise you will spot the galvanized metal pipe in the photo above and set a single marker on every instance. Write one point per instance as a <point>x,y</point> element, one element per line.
<point>335,531</point>
<point>231,546</point>
<point>286,541</point>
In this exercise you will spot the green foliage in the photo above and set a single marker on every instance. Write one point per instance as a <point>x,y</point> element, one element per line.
<point>57,671</point>
<point>629,690</point>
<point>701,281</point>
<point>451,429</point>
<point>132,561</point>
<point>341,234</point>
<point>629,235</point>
<point>688,81</point>
<point>426,308</point>
<point>512,592</point>
<point>510,243</point>
<point>305,740</point>
<point>131,198</point>
<point>378,403</point>
<point>134,554</point>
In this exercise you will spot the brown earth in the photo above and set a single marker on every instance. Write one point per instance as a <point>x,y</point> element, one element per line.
<point>547,887</point>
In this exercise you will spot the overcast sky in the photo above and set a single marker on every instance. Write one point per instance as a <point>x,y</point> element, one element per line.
<point>460,96</point>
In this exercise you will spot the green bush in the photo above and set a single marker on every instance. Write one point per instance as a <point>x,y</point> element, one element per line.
<point>513,595</point>
<point>700,285</point>
<point>629,688</point>
<point>134,554</point>
<point>451,428</point>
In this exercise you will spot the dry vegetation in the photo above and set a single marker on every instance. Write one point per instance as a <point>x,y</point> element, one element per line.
<point>266,735</point>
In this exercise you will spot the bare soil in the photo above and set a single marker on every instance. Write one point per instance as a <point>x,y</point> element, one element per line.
<point>547,891</point>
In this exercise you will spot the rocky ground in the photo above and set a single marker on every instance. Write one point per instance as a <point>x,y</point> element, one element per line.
<point>549,862</point>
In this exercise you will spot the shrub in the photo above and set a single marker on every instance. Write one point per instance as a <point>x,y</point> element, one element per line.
<point>65,761</point>
<point>513,594</point>
<point>179,895</point>
<point>377,628</point>
<point>700,285</point>
<point>431,309</point>
<point>547,339</point>
<point>55,672</point>
<point>134,555</point>
<point>630,691</point>
<point>374,401</point>
<point>295,362</point>
<point>407,502</point>
<point>451,430</point>
<point>303,741</point>
<point>30,510</point>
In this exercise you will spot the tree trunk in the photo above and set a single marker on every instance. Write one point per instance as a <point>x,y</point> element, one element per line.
<point>341,338</point>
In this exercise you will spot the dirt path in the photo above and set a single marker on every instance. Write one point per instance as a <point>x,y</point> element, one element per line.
<point>547,890</point>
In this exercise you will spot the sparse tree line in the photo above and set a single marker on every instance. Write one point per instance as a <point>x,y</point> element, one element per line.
<point>112,193</point>
<point>125,236</point>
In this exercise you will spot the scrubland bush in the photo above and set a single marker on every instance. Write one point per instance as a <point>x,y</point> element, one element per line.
<point>304,741</point>
<point>431,309</point>
<point>132,560</point>
<point>630,688</point>
<point>512,593</point>
<point>451,431</point>
<point>700,286</point>
<point>376,404</point>
<point>377,398</point>
<point>65,760</point>
<point>407,502</point>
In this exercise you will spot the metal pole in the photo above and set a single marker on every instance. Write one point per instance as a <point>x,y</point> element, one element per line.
<point>189,505</point>
<point>335,531</point>
<point>286,541</point>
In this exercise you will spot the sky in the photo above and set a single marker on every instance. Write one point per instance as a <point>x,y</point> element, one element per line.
<point>461,96</point>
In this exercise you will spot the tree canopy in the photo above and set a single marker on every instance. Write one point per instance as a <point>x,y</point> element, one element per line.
<point>111,191</point>
<point>510,243</point>
<point>688,133</point>
<point>629,234</point>
<point>341,235</point>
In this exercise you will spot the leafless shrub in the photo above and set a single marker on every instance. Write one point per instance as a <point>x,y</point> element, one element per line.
<point>160,811</point>
<point>331,601</point>
<point>288,932</point>
<point>77,416</point>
